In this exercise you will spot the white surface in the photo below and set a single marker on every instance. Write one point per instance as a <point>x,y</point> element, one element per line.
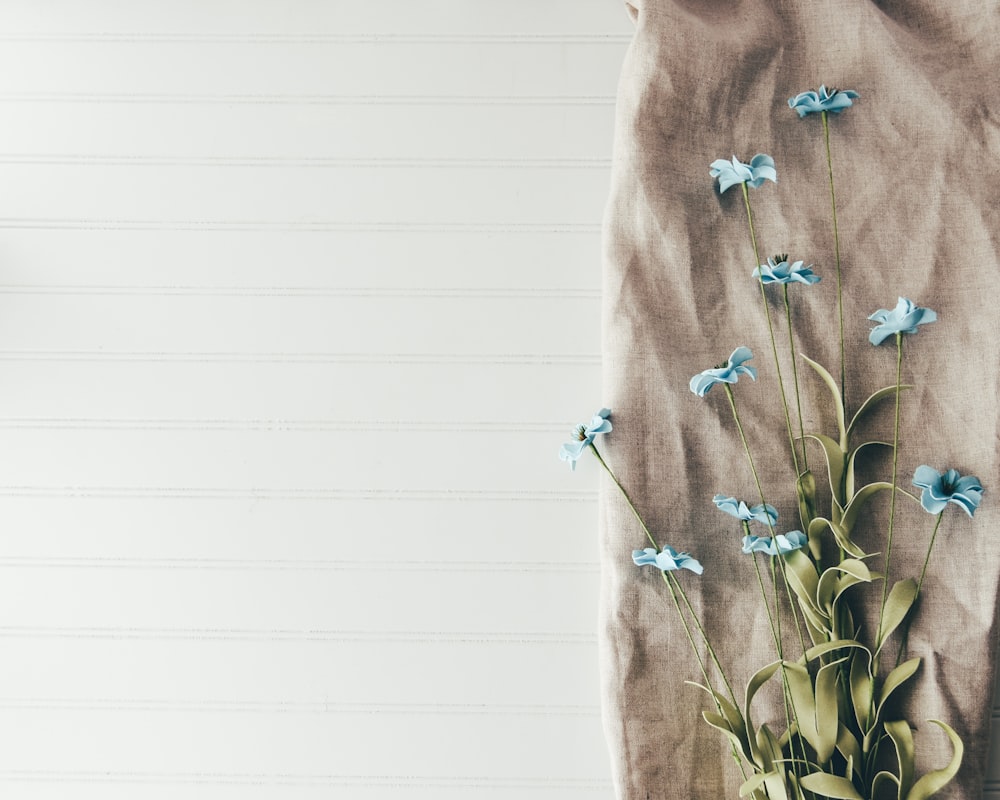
<point>297,301</point>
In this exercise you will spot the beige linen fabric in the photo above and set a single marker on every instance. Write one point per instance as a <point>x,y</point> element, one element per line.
<point>915,162</point>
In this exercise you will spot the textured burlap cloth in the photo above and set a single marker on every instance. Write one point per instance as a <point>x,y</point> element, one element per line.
<point>916,168</point>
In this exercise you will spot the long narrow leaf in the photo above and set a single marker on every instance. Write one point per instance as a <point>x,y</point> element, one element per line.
<point>850,471</point>
<point>838,402</point>
<point>874,398</point>
<point>935,781</point>
<point>831,786</point>
<point>897,678</point>
<point>857,502</point>
<point>835,461</point>
<point>902,739</point>
<point>897,606</point>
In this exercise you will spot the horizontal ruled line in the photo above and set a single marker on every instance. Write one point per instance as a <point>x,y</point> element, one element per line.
<point>167,98</point>
<point>498,359</point>
<point>292,565</point>
<point>306,425</point>
<point>317,38</point>
<point>318,226</point>
<point>292,635</point>
<point>297,779</point>
<point>294,707</point>
<point>381,495</point>
<point>84,160</point>
<point>353,293</point>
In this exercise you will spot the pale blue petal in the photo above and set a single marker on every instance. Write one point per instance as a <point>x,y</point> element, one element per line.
<point>644,557</point>
<point>739,356</point>
<point>931,504</point>
<point>925,476</point>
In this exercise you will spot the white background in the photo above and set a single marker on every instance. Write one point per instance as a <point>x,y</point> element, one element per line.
<point>297,301</point>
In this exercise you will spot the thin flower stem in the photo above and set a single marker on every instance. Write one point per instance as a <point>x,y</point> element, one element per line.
<point>770,330</point>
<point>624,494</point>
<point>920,583</point>
<point>927,558</point>
<point>795,378</point>
<point>791,603</point>
<point>789,708</point>
<point>701,662</point>
<point>836,250</point>
<point>763,594</point>
<point>746,448</point>
<point>704,637</point>
<point>790,712</point>
<point>895,466</point>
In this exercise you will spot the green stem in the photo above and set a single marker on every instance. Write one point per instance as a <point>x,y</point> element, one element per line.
<point>624,494</point>
<point>895,466</point>
<point>704,637</point>
<point>795,378</point>
<point>746,449</point>
<point>770,330</point>
<point>763,595</point>
<point>791,603</point>
<point>836,250</point>
<point>930,547</point>
<point>920,583</point>
<point>671,583</point>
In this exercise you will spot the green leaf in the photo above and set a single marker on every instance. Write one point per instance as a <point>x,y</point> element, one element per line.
<point>805,491</point>
<point>754,782</point>
<point>895,679</point>
<point>758,679</point>
<point>849,473</point>
<point>835,460</point>
<point>862,689</point>
<point>802,577</point>
<point>849,748</point>
<point>882,778</point>
<point>720,724</point>
<point>838,401</point>
<point>897,606</point>
<point>837,579</point>
<point>830,786</point>
<point>827,710</point>
<point>935,781</point>
<point>874,398</point>
<point>902,739</point>
<point>800,689</point>
<point>842,538</point>
<point>731,715</point>
<point>857,502</point>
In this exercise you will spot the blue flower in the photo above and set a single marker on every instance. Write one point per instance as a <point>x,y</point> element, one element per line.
<point>781,543</point>
<point>760,168</point>
<point>778,270</point>
<point>703,381</point>
<point>939,490</point>
<point>666,560</point>
<point>762,512</point>
<point>833,102</point>
<point>904,318</point>
<point>583,436</point>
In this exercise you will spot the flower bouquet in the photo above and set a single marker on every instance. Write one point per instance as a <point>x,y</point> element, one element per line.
<point>838,616</point>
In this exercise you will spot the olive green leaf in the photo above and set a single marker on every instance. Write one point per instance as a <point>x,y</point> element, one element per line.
<point>849,472</point>
<point>935,781</point>
<point>835,460</point>
<point>830,786</point>
<point>874,398</point>
<point>897,606</point>
<point>838,402</point>
<point>902,739</point>
<point>805,492</point>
